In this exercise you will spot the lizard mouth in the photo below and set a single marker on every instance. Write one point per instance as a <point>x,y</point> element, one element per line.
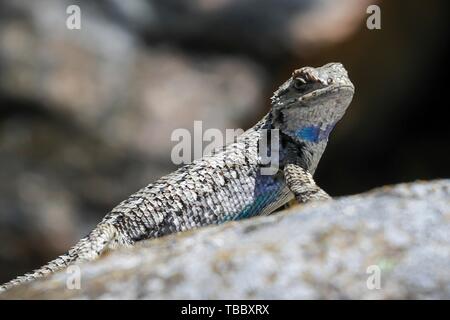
<point>327,90</point>
<point>315,94</point>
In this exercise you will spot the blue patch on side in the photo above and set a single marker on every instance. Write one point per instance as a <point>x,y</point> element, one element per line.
<point>252,209</point>
<point>311,133</point>
<point>266,191</point>
<point>314,133</point>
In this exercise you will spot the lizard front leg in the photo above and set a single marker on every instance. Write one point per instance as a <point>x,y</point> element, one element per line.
<point>297,161</point>
<point>302,184</point>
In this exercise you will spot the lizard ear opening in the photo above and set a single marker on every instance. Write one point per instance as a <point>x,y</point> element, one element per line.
<point>277,118</point>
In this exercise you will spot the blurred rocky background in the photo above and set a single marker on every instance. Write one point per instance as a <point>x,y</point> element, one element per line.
<point>86,115</point>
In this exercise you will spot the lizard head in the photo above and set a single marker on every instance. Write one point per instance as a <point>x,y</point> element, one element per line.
<point>309,104</point>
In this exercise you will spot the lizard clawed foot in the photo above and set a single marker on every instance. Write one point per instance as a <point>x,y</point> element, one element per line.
<point>302,184</point>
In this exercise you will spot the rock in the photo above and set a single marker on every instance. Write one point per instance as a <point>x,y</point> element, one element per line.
<point>329,250</point>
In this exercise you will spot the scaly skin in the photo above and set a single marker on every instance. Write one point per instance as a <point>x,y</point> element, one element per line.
<point>230,184</point>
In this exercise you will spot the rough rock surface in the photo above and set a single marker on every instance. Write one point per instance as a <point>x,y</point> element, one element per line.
<point>323,250</point>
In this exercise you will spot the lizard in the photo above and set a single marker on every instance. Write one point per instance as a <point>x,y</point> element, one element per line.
<point>229,184</point>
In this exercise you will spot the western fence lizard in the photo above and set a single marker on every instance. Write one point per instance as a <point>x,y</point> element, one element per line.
<point>231,184</point>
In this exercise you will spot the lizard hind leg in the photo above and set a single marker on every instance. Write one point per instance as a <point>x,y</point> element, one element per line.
<point>98,241</point>
<point>302,184</point>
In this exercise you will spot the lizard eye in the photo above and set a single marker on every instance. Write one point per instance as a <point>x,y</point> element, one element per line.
<point>299,83</point>
<point>329,80</point>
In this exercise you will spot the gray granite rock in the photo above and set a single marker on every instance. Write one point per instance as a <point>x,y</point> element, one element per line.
<point>339,249</point>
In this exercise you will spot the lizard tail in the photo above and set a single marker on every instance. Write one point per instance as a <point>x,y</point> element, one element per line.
<point>86,249</point>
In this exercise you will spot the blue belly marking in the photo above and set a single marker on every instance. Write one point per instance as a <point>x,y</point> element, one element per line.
<point>267,189</point>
